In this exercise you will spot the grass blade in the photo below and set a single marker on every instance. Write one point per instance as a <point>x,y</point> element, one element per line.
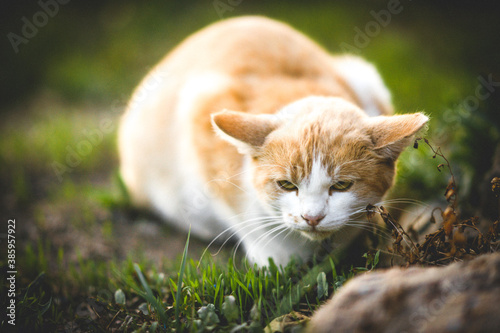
<point>159,309</point>
<point>179,283</point>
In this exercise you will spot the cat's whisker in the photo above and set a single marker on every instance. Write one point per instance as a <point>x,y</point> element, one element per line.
<point>290,231</point>
<point>411,200</point>
<point>245,213</point>
<point>408,211</point>
<point>264,236</point>
<point>285,228</point>
<point>261,225</point>
<point>387,203</point>
<point>366,222</point>
<point>255,220</point>
<point>243,225</point>
<point>267,233</point>
<point>401,234</point>
<point>377,230</point>
<point>349,215</point>
<point>249,233</point>
<point>402,201</point>
<point>275,206</point>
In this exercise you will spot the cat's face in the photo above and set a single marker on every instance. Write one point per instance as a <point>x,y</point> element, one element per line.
<point>320,161</point>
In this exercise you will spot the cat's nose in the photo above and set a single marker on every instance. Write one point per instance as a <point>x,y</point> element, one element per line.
<point>313,220</point>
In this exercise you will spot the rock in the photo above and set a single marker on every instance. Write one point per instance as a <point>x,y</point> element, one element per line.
<point>462,297</point>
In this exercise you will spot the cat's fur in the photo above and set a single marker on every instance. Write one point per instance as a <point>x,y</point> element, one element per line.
<point>300,115</point>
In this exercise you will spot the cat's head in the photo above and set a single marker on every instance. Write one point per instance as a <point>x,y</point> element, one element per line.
<point>319,161</point>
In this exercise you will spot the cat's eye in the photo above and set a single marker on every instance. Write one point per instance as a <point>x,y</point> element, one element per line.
<point>341,186</point>
<point>286,185</point>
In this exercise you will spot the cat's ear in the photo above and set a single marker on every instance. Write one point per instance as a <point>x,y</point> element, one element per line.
<point>247,132</point>
<point>392,134</point>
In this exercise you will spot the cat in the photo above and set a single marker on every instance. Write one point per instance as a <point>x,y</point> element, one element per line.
<point>255,132</point>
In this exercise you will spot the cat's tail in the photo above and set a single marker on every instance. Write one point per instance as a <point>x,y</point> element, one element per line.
<point>366,83</point>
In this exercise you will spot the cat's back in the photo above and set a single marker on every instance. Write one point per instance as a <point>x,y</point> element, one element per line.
<point>249,45</point>
<point>264,64</point>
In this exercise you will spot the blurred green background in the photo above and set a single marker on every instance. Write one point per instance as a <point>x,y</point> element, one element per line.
<point>78,63</point>
<point>61,80</point>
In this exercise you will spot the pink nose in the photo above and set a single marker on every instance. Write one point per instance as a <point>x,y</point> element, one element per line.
<point>313,220</point>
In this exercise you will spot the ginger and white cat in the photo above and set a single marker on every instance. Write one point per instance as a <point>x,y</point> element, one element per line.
<point>308,144</point>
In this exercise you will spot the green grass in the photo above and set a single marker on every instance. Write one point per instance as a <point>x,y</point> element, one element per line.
<point>200,296</point>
